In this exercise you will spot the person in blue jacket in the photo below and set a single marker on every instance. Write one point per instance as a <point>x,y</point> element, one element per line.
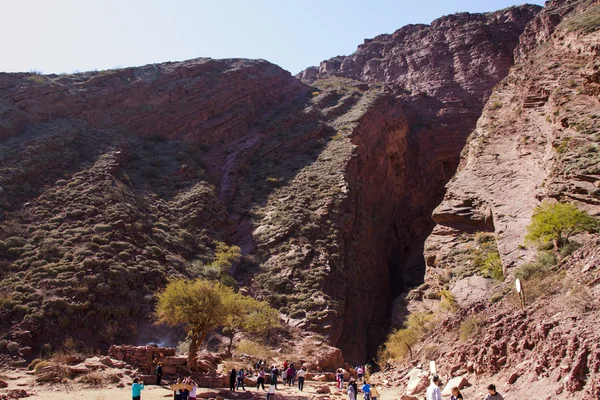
<point>136,389</point>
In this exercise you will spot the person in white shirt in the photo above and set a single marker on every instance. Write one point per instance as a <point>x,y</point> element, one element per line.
<point>433,391</point>
<point>271,392</point>
<point>301,374</point>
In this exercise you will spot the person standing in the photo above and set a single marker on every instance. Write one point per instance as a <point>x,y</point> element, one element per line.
<point>289,374</point>
<point>366,389</point>
<point>456,394</point>
<point>177,393</point>
<point>492,394</point>
<point>136,389</point>
<point>261,379</point>
<point>433,391</point>
<point>294,372</point>
<point>159,374</point>
<point>271,392</point>
<point>194,390</point>
<point>232,376</point>
<point>284,375</point>
<point>351,390</point>
<point>301,375</point>
<point>240,379</point>
<point>374,392</point>
<point>274,376</point>
<point>360,371</point>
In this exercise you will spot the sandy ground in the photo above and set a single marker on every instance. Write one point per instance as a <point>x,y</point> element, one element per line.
<point>17,380</point>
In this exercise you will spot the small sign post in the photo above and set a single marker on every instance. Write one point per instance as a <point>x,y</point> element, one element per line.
<point>520,292</point>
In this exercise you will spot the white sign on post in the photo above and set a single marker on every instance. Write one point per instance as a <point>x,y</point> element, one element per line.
<point>518,285</point>
<point>432,368</point>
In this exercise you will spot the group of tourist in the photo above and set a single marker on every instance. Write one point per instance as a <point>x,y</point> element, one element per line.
<point>368,389</point>
<point>186,389</point>
<point>435,393</point>
<point>288,373</point>
<point>185,393</point>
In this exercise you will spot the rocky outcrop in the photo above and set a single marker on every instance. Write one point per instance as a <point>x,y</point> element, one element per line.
<point>536,140</point>
<point>441,75</point>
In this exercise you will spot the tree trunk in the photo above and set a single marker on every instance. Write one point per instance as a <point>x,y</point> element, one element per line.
<point>230,342</point>
<point>195,341</point>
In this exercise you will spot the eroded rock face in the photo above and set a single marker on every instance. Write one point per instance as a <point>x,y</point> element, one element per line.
<point>536,140</point>
<point>442,74</point>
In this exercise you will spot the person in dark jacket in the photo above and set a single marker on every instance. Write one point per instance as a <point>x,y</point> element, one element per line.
<point>159,374</point>
<point>232,377</point>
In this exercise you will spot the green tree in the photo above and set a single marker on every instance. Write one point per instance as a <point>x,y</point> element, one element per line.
<point>225,256</point>
<point>557,223</point>
<point>245,314</point>
<point>197,305</point>
<point>202,306</point>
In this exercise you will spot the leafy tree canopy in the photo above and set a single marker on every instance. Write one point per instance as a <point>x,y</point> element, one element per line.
<point>557,223</point>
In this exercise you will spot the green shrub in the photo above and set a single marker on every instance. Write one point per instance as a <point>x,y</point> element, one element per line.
<point>527,270</point>
<point>400,342</point>
<point>557,223</point>
<point>102,228</point>
<point>546,259</point>
<point>448,301</point>
<point>37,79</point>
<point>15,241</point>
<point>496,297</point>
<point>568,249</point>
<point>492,266</point>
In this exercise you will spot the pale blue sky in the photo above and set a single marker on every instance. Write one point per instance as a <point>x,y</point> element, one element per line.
<point>56,36</point>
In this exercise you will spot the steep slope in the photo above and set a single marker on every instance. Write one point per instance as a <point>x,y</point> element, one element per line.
<point>440,76</point>
<point>536,140</point>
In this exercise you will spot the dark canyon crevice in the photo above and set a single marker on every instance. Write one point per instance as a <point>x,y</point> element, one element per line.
<point>407,149</point>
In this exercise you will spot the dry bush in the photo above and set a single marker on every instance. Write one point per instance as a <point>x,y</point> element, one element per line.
<point>98,379</point>
<point>255,349</point>
<point>401,341</point>
<point>470,328</point>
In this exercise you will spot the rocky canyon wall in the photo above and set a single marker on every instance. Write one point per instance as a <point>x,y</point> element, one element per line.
<point>326,183</point>
<point>537,138</point>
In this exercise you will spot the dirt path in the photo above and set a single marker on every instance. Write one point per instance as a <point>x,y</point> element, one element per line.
<point>75,391</point>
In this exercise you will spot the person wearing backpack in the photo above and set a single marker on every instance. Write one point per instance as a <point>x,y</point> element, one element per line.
<point>492,394</point>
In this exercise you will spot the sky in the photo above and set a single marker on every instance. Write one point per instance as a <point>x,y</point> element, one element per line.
<point>65,36</point>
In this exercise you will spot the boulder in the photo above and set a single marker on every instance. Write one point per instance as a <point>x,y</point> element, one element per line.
<point>78,370</point>
<point>206,395</point>
<point>323,389</point>
<point>417,384</point>
<point>513,378</point>
<point>107,361</point>
<point>407,397</point>
<point>459,381</point>
<point>204,365</point>
<point>329,358</point>
<point>235,395</point>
